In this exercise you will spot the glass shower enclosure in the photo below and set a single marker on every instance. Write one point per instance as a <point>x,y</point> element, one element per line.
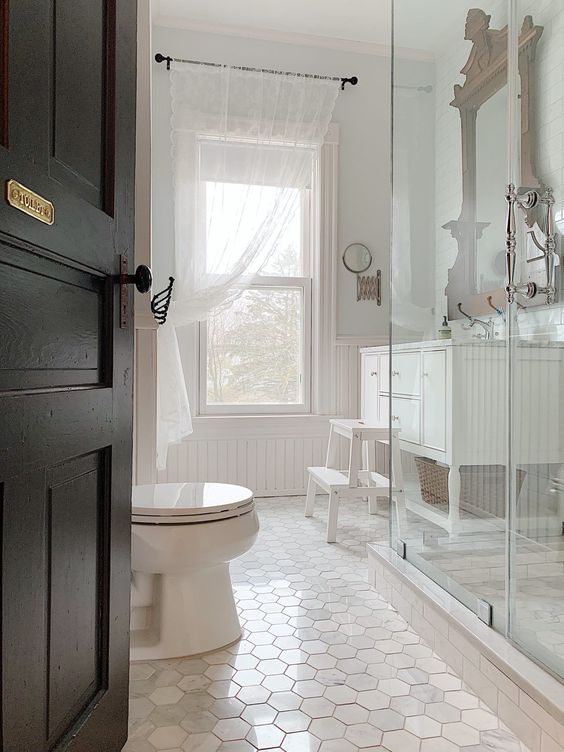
<point>477,333</point>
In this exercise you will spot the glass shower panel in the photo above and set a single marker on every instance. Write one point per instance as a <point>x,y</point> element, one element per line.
<point>448,374</point>
<point>536,340</point>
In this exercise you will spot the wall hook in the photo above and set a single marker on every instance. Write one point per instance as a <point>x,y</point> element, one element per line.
<point>500,312</point>
<point>161,302</point>
<point>459,306</point>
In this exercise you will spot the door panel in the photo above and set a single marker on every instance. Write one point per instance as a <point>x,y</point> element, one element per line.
<point>75,309</point>
<point>81,159</point>
<point>81,231</point>
<point>406,374</point>
<point>66,374</point>
<point>77,525</point>
<point>4,74</point>
<point>406,416</point>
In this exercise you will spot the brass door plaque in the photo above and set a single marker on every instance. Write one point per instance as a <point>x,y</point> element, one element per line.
<point>29,202</point>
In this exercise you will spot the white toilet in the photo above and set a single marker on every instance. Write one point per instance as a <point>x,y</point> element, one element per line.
<point>183,537</point>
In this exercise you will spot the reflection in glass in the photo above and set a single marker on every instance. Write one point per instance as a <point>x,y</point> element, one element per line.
<point>481,427</point>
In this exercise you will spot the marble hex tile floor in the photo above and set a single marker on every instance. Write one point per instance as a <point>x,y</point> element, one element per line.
<point>324,664</point>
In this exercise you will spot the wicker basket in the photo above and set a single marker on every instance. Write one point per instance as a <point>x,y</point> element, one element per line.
<point>482,487</point>
<point>433,479</point>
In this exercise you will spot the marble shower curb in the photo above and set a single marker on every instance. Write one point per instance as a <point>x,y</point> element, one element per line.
<point>526,698</point>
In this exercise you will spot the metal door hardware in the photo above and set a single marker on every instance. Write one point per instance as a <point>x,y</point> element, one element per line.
<point>525,202</point>
<point>142,279</point>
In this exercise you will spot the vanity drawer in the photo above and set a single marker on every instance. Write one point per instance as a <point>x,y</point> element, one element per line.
<point>406,415</point>
<point>406,374</point>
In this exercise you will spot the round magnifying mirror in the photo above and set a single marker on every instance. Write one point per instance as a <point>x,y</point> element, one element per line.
<point>357,258</point>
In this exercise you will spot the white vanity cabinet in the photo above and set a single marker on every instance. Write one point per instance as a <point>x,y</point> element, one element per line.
<point>449,401</point>
<point>414,389</point>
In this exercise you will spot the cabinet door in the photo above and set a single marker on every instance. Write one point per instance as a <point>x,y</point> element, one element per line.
<point>370,381</point>
<point>384,373</point>
<point>406,374</point>
<point>434,399</point>
<point>405,416</point>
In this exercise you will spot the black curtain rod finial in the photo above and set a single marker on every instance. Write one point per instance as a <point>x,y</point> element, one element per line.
<point>161,58</point>
<point>352,81</point>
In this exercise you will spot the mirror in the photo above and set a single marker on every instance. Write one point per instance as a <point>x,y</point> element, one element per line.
<point>478,272</point>
<point>357,258</point>
<point>491,158</point>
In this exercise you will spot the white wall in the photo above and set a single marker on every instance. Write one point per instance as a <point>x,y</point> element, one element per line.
<point>363,113</point>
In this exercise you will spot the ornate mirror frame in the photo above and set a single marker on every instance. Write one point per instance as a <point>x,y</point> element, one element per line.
<point>486,74</point>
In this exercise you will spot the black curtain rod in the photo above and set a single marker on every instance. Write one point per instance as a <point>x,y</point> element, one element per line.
<point>166,58</point>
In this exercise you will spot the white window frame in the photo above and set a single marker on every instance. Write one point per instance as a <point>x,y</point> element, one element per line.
<point>305,284</point>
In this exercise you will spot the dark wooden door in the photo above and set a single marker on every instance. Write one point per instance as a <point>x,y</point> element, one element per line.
<point>67,130</point>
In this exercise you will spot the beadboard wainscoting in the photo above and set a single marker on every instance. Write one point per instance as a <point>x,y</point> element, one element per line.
<point>268,454</point>
<point>271,466</point>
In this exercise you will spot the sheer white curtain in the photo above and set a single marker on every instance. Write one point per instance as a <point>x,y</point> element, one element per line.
<point>242,146</point>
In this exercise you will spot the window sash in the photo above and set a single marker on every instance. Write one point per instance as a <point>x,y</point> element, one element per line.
<point>306,233</point>
<point>304,406</point>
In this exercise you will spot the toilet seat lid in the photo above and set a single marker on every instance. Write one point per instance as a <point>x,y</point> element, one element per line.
<point>187,499</point>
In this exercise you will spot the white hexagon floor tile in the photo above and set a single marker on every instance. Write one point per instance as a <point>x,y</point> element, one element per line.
<point>324,665</point>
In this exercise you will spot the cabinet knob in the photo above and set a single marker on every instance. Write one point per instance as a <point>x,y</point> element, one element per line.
<point>395,417</point>
<point>395,373</point>
<point>425,373</point>
<point>374,373</point>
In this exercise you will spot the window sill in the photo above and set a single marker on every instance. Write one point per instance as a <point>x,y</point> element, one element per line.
<point>259,426</point>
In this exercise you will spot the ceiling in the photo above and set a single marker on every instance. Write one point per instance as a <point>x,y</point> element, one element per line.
<point>419,25</point>
<point>357,20</point>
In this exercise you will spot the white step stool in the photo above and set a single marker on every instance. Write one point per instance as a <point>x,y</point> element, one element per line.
<point>347,484</point>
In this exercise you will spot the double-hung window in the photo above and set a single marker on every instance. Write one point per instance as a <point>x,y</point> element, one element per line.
<point>255,353</point>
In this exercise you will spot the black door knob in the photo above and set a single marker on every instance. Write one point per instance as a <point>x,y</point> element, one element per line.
<point>142,279</point>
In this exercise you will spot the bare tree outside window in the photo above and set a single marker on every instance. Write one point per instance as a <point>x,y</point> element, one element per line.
<point>255,349</point>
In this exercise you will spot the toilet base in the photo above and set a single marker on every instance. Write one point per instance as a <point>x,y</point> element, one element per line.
<point>193,612</point>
